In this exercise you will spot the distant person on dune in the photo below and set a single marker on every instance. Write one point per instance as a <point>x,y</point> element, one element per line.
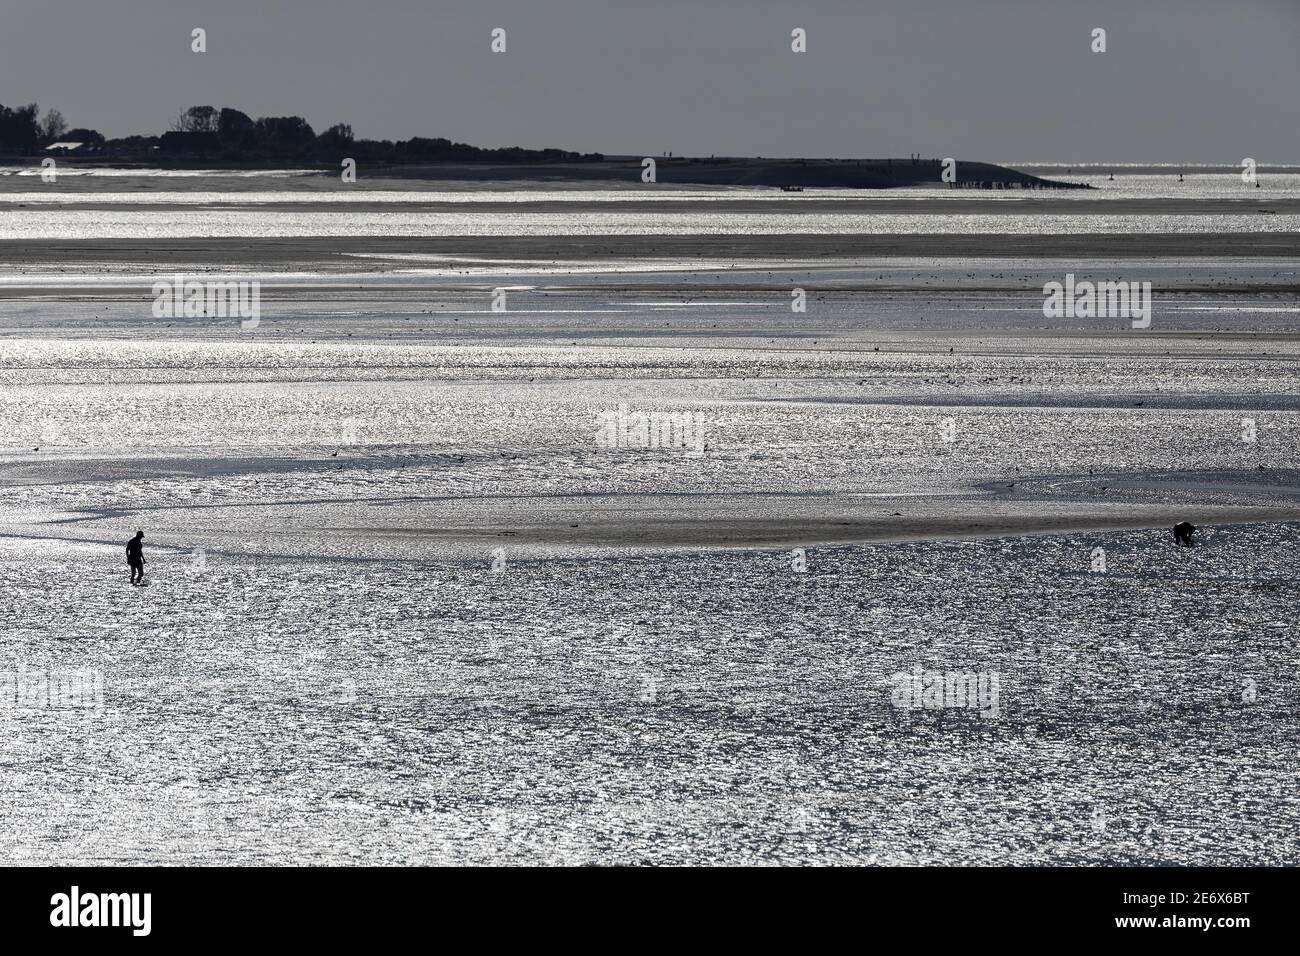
<point>135,557</point>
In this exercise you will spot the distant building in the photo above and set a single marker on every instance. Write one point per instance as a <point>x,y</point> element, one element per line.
<point>67,149</point>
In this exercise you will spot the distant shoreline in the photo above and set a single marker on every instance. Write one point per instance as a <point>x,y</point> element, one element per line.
<point>796,174</point>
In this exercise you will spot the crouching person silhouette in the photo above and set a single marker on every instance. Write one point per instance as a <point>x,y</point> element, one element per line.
<point>135,557</point>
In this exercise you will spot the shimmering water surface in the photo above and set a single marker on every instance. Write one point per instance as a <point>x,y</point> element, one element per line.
<point>405,607</point>
<point>214,223</point>
<point>685,709</point>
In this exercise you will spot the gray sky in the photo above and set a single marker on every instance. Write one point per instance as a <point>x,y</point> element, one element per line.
<point>997,80</point>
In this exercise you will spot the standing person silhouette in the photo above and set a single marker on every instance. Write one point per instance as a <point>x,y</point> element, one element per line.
<point>135,557</point>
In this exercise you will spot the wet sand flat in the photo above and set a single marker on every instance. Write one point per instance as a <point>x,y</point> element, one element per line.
<point>325,253</point>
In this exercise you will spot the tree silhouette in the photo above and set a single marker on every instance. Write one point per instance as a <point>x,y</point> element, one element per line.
<point>53,126</point>
<point>197,119</point>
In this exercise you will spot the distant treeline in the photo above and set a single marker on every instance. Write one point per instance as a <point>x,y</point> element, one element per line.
<point>208,133</point>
